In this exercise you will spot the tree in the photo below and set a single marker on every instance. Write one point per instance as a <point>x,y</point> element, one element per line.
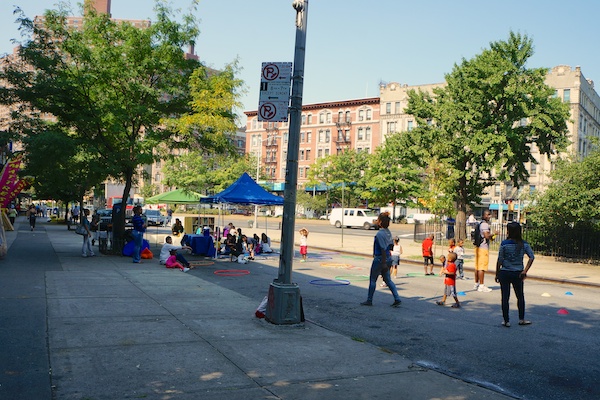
<point>573,196</point>
<point>117,86</point>
<point>389,177</point>
<point>342,173</point>
<point>486,122</point>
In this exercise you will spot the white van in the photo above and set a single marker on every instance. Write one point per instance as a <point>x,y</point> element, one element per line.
<point>420,218</point>
<point>353,217</point>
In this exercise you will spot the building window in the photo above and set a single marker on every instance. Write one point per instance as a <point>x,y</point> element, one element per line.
<point>388,108</point>
<point>320,153</point>
<point>301,155</point>
<point>327,136</point>
<point>397,107</point>
<point>326,152</point>
<point>347,135</point>
<point>328,117</point>
<point>369,114</point>
<point>497,190</point>
<point>322,118</point>
<point>409,126</point>
<point>308,155</point>
<point>391,127</point>
<point>533,169</point>
<point>321,137</point>
<point>302,136</point>
<point>567,95</point>
<point>531,189</point>
<point>341,116</point>
<point>309,119</point>
<point>368,150</point>
<point>359,135</point>
<point>308,137</point>
<point>368,133</point>
<point>361,115</point>
<point>347,116</point>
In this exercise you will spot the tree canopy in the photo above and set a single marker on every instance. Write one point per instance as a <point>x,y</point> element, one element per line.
<point>122,90</point>
<point>486,122</point>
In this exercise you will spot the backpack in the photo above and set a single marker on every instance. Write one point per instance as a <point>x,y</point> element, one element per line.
<point>476,236</point>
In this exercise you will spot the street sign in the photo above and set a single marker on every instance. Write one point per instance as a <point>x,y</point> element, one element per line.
<point>275,83</point>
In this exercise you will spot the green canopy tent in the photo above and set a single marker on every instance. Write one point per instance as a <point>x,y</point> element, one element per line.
<point>178,196</point>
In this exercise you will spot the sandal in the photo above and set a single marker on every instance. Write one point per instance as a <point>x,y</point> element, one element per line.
<point>524,322</point>
<point>439,303</point>
<point>506,324</point>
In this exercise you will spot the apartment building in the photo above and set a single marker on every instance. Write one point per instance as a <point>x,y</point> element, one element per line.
<point>326,128</point>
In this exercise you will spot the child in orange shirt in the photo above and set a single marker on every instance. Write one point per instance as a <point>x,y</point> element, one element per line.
<point>450,281</point>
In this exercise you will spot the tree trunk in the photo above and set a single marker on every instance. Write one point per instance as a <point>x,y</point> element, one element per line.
<point>119,219</point>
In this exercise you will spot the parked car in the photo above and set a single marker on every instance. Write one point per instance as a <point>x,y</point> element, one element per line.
<point>353,217</point>
<point>240,211</point>
<point>420,218</point>
<point>155,218</point>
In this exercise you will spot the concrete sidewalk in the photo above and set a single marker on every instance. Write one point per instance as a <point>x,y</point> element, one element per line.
<point>104,328</point>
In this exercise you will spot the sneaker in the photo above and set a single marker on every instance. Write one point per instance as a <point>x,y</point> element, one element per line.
<point>366,303</point>
<point>476,286</point>
<point>506,324</point>
<point>396,303</point>
<point>439,303</point>
<point>186,269</point>
<point>382,284</point>
<point>93,255</point>
<point>84,255</point>
<point>483,288</point>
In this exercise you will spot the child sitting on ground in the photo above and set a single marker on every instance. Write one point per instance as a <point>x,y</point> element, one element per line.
<point>173,263</point>
<point>449,281</point>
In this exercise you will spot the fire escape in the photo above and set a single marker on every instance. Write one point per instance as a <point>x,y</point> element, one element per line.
<point>272,147</point>
<point>342,141</point>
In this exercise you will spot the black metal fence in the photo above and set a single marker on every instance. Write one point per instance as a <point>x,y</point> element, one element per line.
<point>578,244</point>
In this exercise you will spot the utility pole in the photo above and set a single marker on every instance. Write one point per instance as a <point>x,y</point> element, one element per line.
<point>284,305</point>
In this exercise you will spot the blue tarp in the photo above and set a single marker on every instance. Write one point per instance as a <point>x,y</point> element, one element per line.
<point>246,192</point>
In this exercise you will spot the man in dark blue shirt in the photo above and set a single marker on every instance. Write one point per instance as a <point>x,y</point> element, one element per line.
<point>139,227</point>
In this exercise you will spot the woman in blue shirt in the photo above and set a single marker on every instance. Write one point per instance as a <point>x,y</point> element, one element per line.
<point>139,227</point>
<point>510,270</point>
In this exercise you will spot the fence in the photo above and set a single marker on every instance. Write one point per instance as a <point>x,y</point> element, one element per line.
<point>578,244</point>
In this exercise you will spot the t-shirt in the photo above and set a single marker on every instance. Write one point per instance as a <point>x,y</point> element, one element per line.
<point>484,227</point>
<point>450,279</point>
<point>460,252</point>
<point>165,252</point>
<point>383,240</point>
<point>426,247</point>
<point>303,240</point>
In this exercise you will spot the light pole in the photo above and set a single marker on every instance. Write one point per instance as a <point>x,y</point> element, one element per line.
<point>284,296</point>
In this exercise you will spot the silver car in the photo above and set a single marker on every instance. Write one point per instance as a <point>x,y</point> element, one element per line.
<point>155,218</point>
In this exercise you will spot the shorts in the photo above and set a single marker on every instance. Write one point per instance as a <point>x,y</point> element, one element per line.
<point>395,260</point>
<point>303,250</point>
<point>482,259</point>
<point>450,290</point>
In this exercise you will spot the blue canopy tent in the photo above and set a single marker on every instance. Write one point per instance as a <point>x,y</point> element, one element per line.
<point>246,192</point>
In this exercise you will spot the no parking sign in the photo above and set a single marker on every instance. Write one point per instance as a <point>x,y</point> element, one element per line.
<point>275,83</point>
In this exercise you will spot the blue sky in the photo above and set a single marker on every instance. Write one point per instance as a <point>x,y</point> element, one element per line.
<point>353,45</point>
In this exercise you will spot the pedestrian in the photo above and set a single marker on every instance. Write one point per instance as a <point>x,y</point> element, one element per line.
<point>86,249</point>
<point>12,214</point>
<point>173,263</point>
<point>169,216</point>
<point>75,214</point>
<point>177,228</point>
<point>165,252</point>
<point>443,263</point>
<point>427,250</point>
<point>265,243</point>
<point>482,252</point>
<point>382,246</point>
<point>451,245</point>
<point>510,270</point>
<point>396,253</point>
<point>460,261</point>
<point>94,224</point>
<point>31,216</point>
<point>449,272</point>
<point>304,244</point>
<point>139,227</point>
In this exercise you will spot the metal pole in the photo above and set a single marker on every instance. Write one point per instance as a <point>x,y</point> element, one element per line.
<point>284,297</point>
<point>257,176</point>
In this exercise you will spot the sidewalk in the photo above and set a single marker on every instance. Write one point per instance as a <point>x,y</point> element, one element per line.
<point>102,328</point>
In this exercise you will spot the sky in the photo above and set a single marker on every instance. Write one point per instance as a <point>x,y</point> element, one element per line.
<point>353,45</point>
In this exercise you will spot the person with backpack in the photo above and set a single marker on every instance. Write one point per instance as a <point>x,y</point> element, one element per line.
<point>482,237</point>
